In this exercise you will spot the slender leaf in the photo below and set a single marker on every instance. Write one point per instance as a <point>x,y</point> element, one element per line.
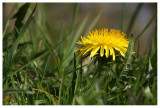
<point>138,49</point>
<point>75,14</point>
<point>129,53</point>
<point>74,76</point>
<point>60,49</point>
<point>8,20</point>
<point>38,55</point>
<point>134,17</point>
<point>9,91</point>
<point>94,22</point>
<point>148,24</point>
<point>77,35</point>
<point>122,17</point>
<point>20,15</point>
<point>13,49</point>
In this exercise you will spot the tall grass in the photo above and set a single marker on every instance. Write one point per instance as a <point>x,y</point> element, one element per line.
<point>38,71</point>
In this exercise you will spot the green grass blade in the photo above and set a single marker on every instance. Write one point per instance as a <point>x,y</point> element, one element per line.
<point>54,57</point>
<point>155,36</point>
<point>14,47</point>
<point>119,93</point>
<point>94,22</point>
<point>90,99</point>
<point>59,70</point>
<point>134,17</point>
<point>122,17</point>
<point>77,35</point>
<point>9,91</point>
<point>60,49</point>
<point>138,49</point>
<point>20,15</point>
<point>72,83</point>
<point>74,76</point>
<point>45,69</point>
<point>150,21</point>
<point>42,17</point>
<point>154,57</point>
<point>50,96</point>
<point>128,55</point>
<point>81,71</point>
<point>137,82</point>
<point>78,82</point>
<point>75,14</point>
<point>38,55</point>
<point>8,20</point>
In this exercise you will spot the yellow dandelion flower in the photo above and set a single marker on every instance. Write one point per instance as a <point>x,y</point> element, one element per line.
<point>105,42</point>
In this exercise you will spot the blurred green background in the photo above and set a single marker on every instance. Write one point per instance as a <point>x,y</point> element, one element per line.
<point>56,13</point>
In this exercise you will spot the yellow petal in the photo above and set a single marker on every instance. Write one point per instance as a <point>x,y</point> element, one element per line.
<point>79,42</point>
<point>122,54</point>
<point>102,51</point>
<point>88,49</point>
<point>107,51</point>
<point>94,51</point>
<point>80,53</point>
<point>120,50</point>
<point>112,53</point>
<point>77,49</point>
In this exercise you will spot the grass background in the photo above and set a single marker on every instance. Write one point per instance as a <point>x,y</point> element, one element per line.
<point>40,67</point>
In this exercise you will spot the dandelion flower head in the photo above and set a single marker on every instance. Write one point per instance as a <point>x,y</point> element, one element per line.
<point>104,42</point>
